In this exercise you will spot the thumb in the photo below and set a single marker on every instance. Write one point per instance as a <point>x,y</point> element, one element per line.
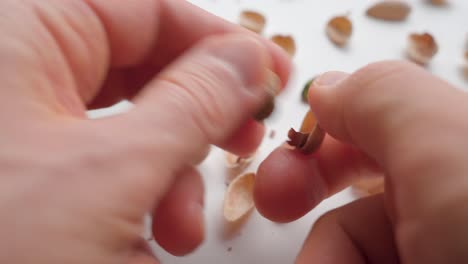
<point>200,99</point>
<point>412,123</point>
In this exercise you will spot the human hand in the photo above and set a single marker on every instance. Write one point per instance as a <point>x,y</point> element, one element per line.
<point>389,119</point>
<point>74,190</point>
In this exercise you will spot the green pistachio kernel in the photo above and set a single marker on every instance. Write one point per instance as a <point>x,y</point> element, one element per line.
<point>305,91</point>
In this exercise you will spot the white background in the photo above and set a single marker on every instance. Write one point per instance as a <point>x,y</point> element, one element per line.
<point>259,240</point>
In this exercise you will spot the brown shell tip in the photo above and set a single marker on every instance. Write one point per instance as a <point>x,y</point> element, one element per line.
<point>309,138</point>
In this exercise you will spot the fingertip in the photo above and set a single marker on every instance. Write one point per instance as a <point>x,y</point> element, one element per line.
<point>246,140</point>
<point>326,103</point>
<point>287,186</point>
<point>178,222</point>
<point>282,64</point>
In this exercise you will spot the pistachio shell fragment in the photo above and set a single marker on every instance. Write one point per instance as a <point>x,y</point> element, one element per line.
<point>309,138</point>
<point>238,200</point>
<point>339,29</point>
<point>272,87</point>
<point>438,2</point>
<point>466,55</point>
<point>421,48</point>
<point>370,186</point>
<point>390,10</point>
<point>305,90</point>
<point>252,21</point>
<point>286,42</point>
<point>236,162</point>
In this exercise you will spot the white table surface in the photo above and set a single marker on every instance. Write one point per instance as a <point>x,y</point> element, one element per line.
<point>259,240</point>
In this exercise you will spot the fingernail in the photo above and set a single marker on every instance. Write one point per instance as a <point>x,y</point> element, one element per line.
<point>248,58</point>
<point>330,79</point>
<point>272,87</point>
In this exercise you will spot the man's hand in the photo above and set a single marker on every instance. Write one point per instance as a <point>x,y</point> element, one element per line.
<point>392,119</point>
<point>74,190</point>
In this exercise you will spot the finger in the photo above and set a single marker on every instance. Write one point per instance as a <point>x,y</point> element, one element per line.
<point>288,184</point>
<point>245,140</point>
<point>170,29</point>
<point>178,222</point>
<point>143,259</point>
<point>201,99</point>
<point>410,122</point>
<point>356,233</point>
<point>143,254</point>
<point>178,33</point>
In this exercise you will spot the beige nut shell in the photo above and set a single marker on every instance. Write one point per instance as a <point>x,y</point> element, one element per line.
<point>421,48</point>
<point>390,10</point>
<point>286,42</point>
<point>238,200</point>
<point>339,30</point>
<point>252,21</point>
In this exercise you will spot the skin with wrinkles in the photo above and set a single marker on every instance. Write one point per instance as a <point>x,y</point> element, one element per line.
<point>74,190</point>
<point>389,119</point>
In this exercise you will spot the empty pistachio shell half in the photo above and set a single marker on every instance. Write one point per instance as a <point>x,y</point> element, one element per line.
<point>421,48</point>
<point>272,88</point>
<point>236,162</point>
<point>339,29</point>
<point>253,21</point>
<point>391,10</point>
<point>285,42</point>
<point>309,138</point>
<point>438,2</point>
<point>238,200</point>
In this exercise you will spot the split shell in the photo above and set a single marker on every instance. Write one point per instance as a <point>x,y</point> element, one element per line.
<point>339,30</point>
<point>390,10</point>
<point>370,186</point>
<point>421,48</point>
<point>286,42</point>
<point>236,162</point>
<point>252,21</point>
<point>310,136</point>
<point>238,199</point>
<point>438,2</point>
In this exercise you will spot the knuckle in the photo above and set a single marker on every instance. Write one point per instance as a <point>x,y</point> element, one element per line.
<point>374,96</point>
<point>203,95</point>
<point>371,77</point>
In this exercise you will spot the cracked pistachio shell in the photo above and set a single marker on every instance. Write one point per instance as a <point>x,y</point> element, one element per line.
<point>310,136</point>
<point>252,21</point>
<point>339,30</point>
<point>390,10</point>
<point>238,200</point>
<point>286,42</point>
<point>421,48</point>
